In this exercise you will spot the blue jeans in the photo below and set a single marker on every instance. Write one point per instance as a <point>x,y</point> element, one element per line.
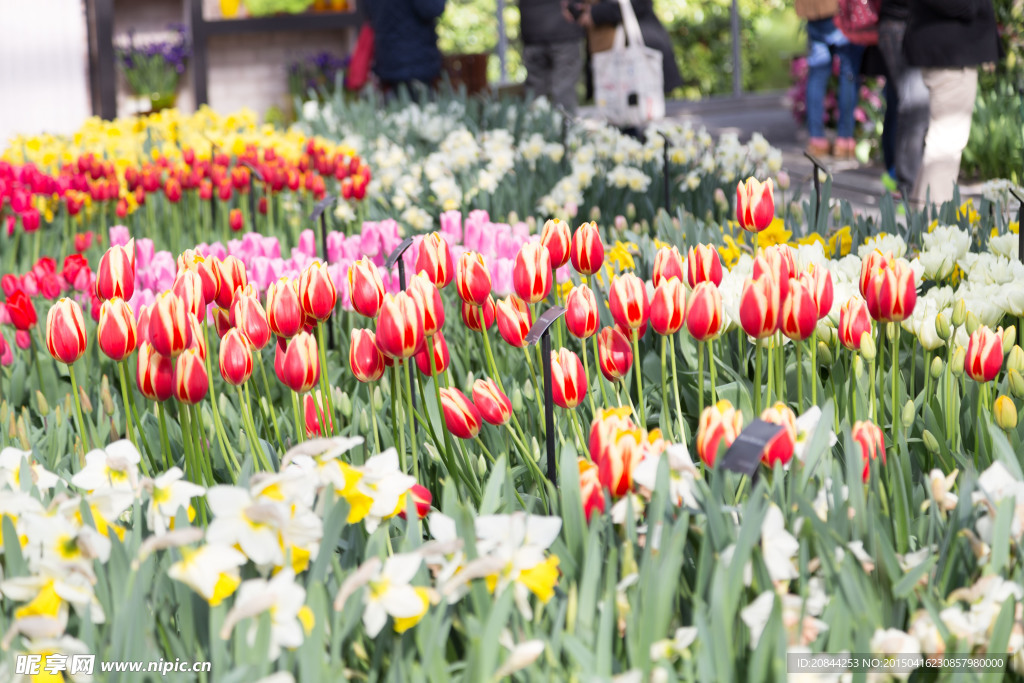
<point>824,40</point>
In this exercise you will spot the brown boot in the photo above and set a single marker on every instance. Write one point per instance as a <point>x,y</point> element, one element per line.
<point>818,147</point>
<point>845,149</point>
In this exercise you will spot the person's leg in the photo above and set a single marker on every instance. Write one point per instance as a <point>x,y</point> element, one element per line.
<point>535,59</point>
<point>819,67</point>
<point>914,114</point>
<point>566,67</point>
<point>848,96</point>
<point>952,93</point>
<point>889,126</point>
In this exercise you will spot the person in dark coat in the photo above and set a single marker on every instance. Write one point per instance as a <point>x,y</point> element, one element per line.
<point>405,41</point>
<point>552,52</point>
<point>948,40</point>
<point>609,13</point>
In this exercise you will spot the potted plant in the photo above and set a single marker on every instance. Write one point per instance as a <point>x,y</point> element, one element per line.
<point>154,68</point>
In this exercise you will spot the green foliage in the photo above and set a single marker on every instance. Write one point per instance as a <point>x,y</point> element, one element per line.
<point>996,145</point>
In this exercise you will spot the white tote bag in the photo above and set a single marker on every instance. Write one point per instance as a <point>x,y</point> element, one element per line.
<point>628,80</point>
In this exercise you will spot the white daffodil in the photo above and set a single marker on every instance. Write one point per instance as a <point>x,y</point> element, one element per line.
<point>290,619</point>
<point>940,490</point>
<point>669,648</point>
<point>681,471</point>
<point>806,425</point>
<point>513,553</point>
<point>290,485</point>
<point>444,565</point>
<point>10,470</point>
<point>16,505</point>
<point>778,546</point>
<point>63,645</point>
<point>521,656</point>
<point>896,643</point>
<point>116,467</point>
<point>50,591</point>
<point>168,494</point>
<point>376,491</point>
<point>211,571</point>
<point>389,593</point>
<point>56,538</point>
<point>253,526</point>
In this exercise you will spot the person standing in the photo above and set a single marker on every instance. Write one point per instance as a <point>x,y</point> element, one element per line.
<point>824,39</point>
<point>405,40</point>
<point>948,40</point>
<point>552,52</point>
<point>911,122</point>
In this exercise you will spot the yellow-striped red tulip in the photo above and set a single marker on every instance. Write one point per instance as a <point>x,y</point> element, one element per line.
<point>568,380</point>
<point>115,274</point>
<point>668,264</point>
<point>310,404</point>
<point>875,261</point>
<point>198,336</point>
<point>819,282</point>
<point>868,436</point>
<point>155,374</point>
<point>627,301</point>
<point>531,272</point>
<point>755,204</point>
<point>704,312</point>
<point>581,314</point>
<point>235,358</point>
<point>439,348</point>
<point>428,298</point>
<point>719,426</point>
<point>221,321</point>
<point>248,315</point>
<point>116,333</point>
<point>614,353</point>
<point>300,365</point>
<point>478,318</point>
<point>514,320</point>
<point>493,404</point>
<point>461,417</point>
<point>190,379</point>
<point>703,264</point>
<point>435,260</point>
<point>889,289</point>
<point>799,312</point>
<point>854,323</point>
<point>984,355</point>
<point>668,307</point>
<point>777,261</point>
<point>615,466</point>
<point>317,293</point>
<point>591,491</point>
<point>555,236</point>
<point>586,249</point>
<point>189,288</point>
<point>65,331</point>
<point>208,270</point>
<point>606,424</point>
<point>284,311</point>
<point>472,279</point>
<point>365,357</point>
<point>233,278</point>
<point>780,448</point>
<point>365,287</point>
<point>169,330</point>
<point>399,326</point>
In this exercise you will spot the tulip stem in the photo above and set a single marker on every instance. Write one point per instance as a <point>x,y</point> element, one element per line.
<point>536,392</point>
<point>664,385</point>
<point>325,384</point>
<point>255,435</point>
<point>373,418</point>
<point>874,398</point>
<point>814,371</point>
<point>780,371</point>
<point>487,352</point>
<point>39,374</point>
<point>191,469</point>
<point>711,366</point>
<point>600,375</point>
<point>895,376</point>
<point>86,442</point>
<point>771,378</point>
<point>130,393</point>
<point>586,371</point>
<point>700,377</point>
<point>675,384</point>
<point>225,445</point>
<point>412,433</point>
<point>449,459</point>
<point>799,376</point>
<point>757,374</point>
<point>266,390</point>
<point>639,379</point>
<point>128,417</point>
<point>472,480</point>
<point>205,455</point>
<point>250,430</point>
<point>397,434</point>
<point>300,433</point>
<point>165,443</point>
<point>982,386</point>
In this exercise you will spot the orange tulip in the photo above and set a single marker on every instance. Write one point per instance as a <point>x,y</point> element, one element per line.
<point>116,333</point>
<point>317,292</point>
<point>65,331</point>
<point>531,272</point>
<point>581,314</point>
<point>755,204</point>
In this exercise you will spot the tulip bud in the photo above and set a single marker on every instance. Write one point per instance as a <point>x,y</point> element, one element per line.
<point>1015,361</point>
<point>300,366</point>
<point>517,399</point>
<point>435,260</point>
<point>956,365</point>
<point>42,406</point>
<point>984,355</point>
<point>233,278</point>
<point>937,367</point>
<point>930,442</point>
<point>704,312</point>
<point>478,318</point>
<point>428,298</point>
<point>1016,382</point>
<point>959,312</point>
<point>365,357</point>
<point>1005,413</point>
<point>116,332</point>
<point>65,331</point>
<point>630,211</point>
<point>169,329</point>
<point>1009,339</point>
<point>581,313</point>
<point>868,436</point>
<point>531,272</point>
<point>155,374</point>
<point>317,292</point>
<point>190,380</point>
<point>284,311</point>
<point>208,270</point>
<point>115,275</point>
<point>780,448</point>
<point>628,303</point>
<point>755,204</point>
<point>824,354</point>
<point>972,323</point>
<point>867,347</point>
<point>249,316</point>
<point>366,289</point>
<point>106,400</point>
<point>461,416</point>
<point>719,426</point>
<point>514,319</point>
<point>568,380</point>
<point>909,412</point>
<point>235,358</point>
<point>472,279</point>
<point>586,249</point>
<point>667,264</point>
<point>493,404</point>
<point>703,264</point>
<point>555,236</point>
<point>614,353</point>
<point>439,348</point>
<point>668,306</point>
<point>942,328</point>
<point>313,405</point>
<point>235,220</point>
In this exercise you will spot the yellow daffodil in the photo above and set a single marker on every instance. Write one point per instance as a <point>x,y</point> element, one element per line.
<point>775,233</point>
<point>730,251</point>
<point>840,243</point>
<point>968,211</point>
<point>211,571</point>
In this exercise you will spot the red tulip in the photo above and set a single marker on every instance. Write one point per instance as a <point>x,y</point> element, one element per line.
<point>514,320</point>
<point>614,353</point>
<point>366,289</point>
<point>531,272</point>
<point>703,264</point>
<point>984,355</point>
<point>586,249</point>
<point>364,357</point>
<point>755,204</point>
<point>233,278</point>
<point>400,326</point>
<point>667,264</point>
<point>284,312</point>
<point>441,357</point>
<point>74,267</point>
<point>568,380</point>
<point>581,314</point>
<point>169,330</point>
<point>235,220</point>
<point>30,220</point>
<point>627,300</point>
<point>759,307</point>
<point>198,336</point>
<point>172,190</point>
<point>300,366</point>
<point>870,265</point>
<point>854,323</point>
<point>493,404</point>
<point>799,312</point>
<point>116,333</point>
<point>591,492</point>
<point>478,318</point>
<point>615,466</point>
<point>190,379</point>
<point>208,270</point>
<point>819,281</point>
<point>65,331</point>
<point>704,312</point>
<point>461,417</point>
<point>780,448</point>
<point>668,307</point>
<point>22,311</point>
<point>248,315</point>
<point>155,376</point>
<point>310,403</point>
<point>871,441</point>
<point>222,321</point>
<point>421,498</point>
<point>472,279</point>
<point>778,262</point>
<point>890,290</point>
<point>115,275</point>
<point>235,358</point>
<point>428,298</point>
<point>719,426</point>
<point>317,292</point>
<point>189,288</point>
<point>555,237</point>
<point>435,260</point>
